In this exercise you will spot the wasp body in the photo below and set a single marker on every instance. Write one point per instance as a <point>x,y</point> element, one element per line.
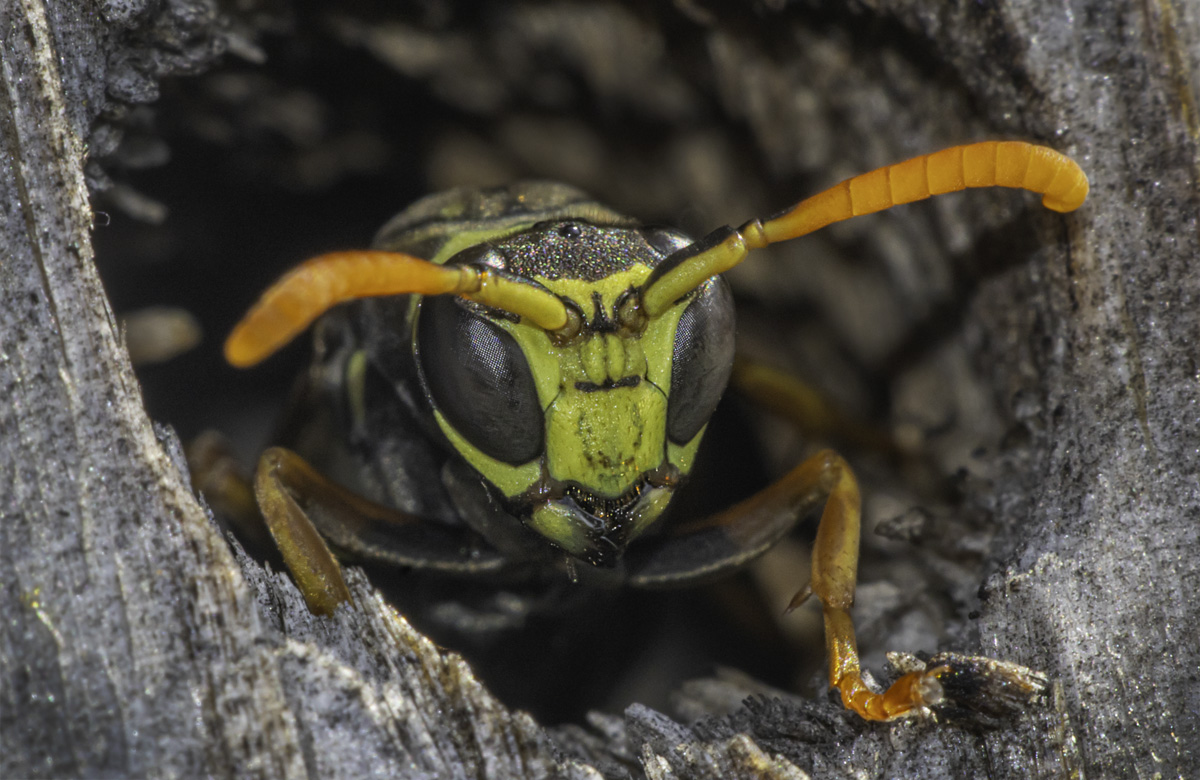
<point>520,379</point>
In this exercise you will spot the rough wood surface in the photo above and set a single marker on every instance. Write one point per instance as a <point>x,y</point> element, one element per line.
<point>135,643</point>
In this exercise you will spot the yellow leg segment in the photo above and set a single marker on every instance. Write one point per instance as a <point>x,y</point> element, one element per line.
<point>835,552</point>
<point>280,473</point>
<point>834,572</point>
<point>911,691</point>
<point>730,539</point>
<point>267,515</point>
<point>803,406</point>
<point>217,474</point>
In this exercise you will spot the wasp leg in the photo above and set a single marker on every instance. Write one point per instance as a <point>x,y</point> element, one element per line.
<point>834,573</point>
<point>281,474</point>
<point>313,522</point>
<point>730,539</point>
<point>808,409</point>
<point>835,552</point>
<point>311,518</point>
<point>218,475</point>
<point>818,418</point>
<point>266,515</point>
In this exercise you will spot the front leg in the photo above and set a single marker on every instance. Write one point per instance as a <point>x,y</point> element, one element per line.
<point>835,551</point>
<point>730,539</point>
<point>314,522</point>
<point>993,685</point>
<point>813,414</point>
<point>834,574</point>
<point>281,475</point>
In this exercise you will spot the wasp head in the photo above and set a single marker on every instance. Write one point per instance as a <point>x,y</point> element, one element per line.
<point>585,431</point>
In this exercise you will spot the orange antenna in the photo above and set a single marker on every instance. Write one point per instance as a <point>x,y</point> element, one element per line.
<point>987,164</point>
<point>312,288</point>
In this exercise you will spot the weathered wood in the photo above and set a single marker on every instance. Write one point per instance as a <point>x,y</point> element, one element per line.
<point>134,643</point>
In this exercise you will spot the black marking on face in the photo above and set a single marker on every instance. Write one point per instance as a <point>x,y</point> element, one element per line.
<point>601,322</point>
<point>608,384</point>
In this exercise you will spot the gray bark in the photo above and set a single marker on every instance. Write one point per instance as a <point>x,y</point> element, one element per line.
<point>135,643</point>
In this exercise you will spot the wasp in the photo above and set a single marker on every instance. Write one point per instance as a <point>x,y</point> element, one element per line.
<point>540,370</point>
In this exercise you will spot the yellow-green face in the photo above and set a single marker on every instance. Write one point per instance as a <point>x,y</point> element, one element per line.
<point>609,458</point>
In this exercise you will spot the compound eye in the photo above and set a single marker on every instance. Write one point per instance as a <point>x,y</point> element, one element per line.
<point>664,241</point>
<point>702,360</point>
<point>478,378</point>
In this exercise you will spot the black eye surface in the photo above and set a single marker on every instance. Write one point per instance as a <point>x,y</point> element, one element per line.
<point>665,241</point>
<point>479,379</point>
<point>702,360</point>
